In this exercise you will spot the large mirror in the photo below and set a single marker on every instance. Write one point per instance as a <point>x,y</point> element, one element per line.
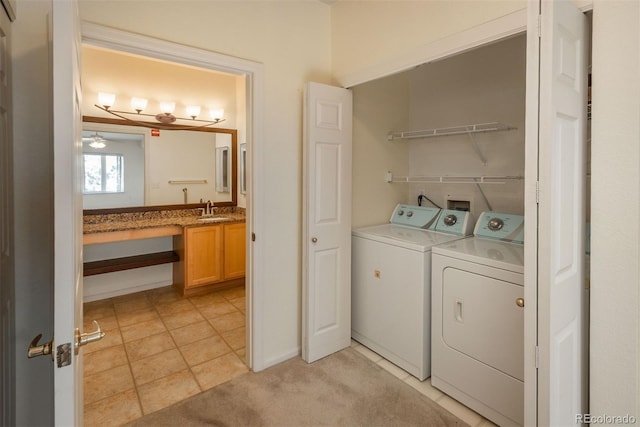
<point>129,167</point>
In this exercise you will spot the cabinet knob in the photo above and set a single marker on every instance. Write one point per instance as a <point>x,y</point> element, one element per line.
<point>314,239</point>
<point>520,302</point>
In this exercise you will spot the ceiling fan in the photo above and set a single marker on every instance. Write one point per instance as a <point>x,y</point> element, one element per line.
<point>95,141</point>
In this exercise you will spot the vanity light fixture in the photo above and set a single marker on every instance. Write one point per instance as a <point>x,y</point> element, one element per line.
<point>165,117</point>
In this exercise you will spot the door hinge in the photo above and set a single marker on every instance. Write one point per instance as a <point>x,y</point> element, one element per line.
<point>539,26</point>
<point>253,237</point>
<point>537,357</point>
<point>537,192</point>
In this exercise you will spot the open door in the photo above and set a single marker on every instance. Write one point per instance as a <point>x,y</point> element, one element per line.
<point>67,151</point>
<point>557,56</point>
<point>326,287</point>
<point>7,256</point>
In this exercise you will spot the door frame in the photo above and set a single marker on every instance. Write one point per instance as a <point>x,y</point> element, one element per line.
<point>118,40</point>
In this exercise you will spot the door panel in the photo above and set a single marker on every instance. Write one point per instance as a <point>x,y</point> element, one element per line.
<point>556,141</point>
<point>7,279</point>
<point>67,146</point>
<point>327,221</point>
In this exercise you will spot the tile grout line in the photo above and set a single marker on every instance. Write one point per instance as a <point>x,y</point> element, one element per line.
<point>153,301</point>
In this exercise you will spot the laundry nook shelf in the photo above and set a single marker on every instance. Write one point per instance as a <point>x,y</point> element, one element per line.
<point>453,179</point>
<point>455,130</point>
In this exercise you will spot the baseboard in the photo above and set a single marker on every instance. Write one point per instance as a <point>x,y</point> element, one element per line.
<point>125,291</point>
<point>281,358</point>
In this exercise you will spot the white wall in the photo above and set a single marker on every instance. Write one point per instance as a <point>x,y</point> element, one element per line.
<point>180,156</point>
<point>615,185</point>
<point>374,38</point>
<point>292,39</point>
<point>483,85</point>
<point>127,76</point>
<point>378,107</point>
<point>480,86</point>
<point>107,285</point>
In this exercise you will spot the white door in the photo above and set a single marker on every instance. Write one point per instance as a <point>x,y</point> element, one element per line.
<point>556,147</point>
<point>67,146</point>
<point>326,287</point>
<point>7,257</point>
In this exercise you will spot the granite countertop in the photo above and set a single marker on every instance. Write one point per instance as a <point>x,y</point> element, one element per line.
<point>150,219</point>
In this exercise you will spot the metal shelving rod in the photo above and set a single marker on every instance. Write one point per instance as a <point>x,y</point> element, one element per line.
<point>187,181</point>
<point>454,179</point>
<point>455,130</point>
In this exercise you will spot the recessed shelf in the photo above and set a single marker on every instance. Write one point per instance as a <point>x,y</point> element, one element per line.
<point>126,263</point>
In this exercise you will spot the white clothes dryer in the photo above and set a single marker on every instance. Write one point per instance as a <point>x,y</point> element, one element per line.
<point>391,276</point>
<point>478,319</point>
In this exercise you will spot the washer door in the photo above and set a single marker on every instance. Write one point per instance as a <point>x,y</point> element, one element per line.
<point>481,319</point>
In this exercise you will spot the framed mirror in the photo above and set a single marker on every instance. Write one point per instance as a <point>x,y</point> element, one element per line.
<point>140,168</point>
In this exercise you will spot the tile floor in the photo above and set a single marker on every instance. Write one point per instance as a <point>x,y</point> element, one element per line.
<point>160,348</point>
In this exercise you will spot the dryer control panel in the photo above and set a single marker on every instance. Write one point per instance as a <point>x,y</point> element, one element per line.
<point>455,222</point>
<point>415,216</point>
<point>500,226</point>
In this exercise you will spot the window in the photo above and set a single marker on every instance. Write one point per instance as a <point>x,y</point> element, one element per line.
<point>103,173</point>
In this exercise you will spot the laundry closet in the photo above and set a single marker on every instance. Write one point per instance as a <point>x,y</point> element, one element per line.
<point>426,295</point>
<point>450,134</point>
<point>482,89</point>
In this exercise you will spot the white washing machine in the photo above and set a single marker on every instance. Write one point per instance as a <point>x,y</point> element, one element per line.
<point>391,275</point>
<point>478,319</point>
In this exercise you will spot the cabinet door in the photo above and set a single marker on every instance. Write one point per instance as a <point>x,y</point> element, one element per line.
<point>234,250</point>
<point>204,255</point>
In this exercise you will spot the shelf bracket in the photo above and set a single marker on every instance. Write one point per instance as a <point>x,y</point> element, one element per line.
<point>477,149</point>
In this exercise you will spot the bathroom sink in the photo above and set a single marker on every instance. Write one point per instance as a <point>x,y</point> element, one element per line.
<point>215,219</point>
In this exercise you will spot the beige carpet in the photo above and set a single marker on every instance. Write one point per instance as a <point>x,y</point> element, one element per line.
<point>344,389</point>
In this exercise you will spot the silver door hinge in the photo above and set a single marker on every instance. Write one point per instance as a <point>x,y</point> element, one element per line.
<point>537,357</point>
<point>537,192</point>
<point>539,26</point>
<point>253,237</point>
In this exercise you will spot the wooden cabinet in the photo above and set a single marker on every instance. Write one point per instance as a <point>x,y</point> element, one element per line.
<point>234,250</point>
<point>203,255</point>
<point>211,256</point>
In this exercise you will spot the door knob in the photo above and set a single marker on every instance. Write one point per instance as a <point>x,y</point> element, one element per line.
<point>89,337</point>
<point>314,239</point>
<point>36,350</point>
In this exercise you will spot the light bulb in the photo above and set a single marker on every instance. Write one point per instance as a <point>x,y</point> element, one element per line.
<point>106,99</point>
<point>217,114</point>
<point>193,111</point>
<point>138,104</point>
<point>167,107</point>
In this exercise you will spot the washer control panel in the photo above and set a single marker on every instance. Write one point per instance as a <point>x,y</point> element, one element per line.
<point>455,222</point>
<point>500,226</point>
<point>415,216</point>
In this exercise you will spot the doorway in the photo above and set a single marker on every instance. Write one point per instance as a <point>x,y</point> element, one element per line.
<point>248,93</point>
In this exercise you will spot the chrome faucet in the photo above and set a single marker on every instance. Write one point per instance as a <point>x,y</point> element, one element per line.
<point>210,207</point>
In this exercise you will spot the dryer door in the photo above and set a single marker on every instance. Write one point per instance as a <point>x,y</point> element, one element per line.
<point>481,319</point>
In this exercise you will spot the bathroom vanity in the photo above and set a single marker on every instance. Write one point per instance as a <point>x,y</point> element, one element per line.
<point>210,257</point>
<point>208,252</point>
